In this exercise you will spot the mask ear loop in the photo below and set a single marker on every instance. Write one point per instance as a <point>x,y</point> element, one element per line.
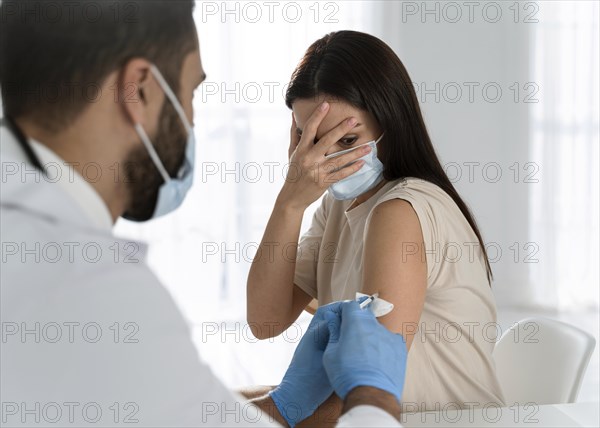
<point>152,152</point>
<point>176,104</point>
<point>169,93</point>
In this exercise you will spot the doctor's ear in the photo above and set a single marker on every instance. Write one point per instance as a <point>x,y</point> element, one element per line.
<point>139,94</point>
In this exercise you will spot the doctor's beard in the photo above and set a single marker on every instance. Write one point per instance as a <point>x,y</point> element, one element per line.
<point>143,178</point>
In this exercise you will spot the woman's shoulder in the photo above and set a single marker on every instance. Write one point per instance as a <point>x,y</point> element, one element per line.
<point>434,207</point>
<point>417,189</point>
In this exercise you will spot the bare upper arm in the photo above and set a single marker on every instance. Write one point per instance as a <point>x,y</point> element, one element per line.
<point>395,266</point>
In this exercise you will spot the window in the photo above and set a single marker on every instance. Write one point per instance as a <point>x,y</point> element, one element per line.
<point>564,204</point>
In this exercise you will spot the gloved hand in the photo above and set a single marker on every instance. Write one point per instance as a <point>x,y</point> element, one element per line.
<point>305,385</point>
<point>362,352</point>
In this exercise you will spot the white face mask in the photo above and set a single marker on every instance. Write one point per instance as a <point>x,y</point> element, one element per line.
<point>173,190</point>
<point>364,179</point>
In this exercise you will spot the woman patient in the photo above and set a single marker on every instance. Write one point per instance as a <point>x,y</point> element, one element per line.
<point>391,222</point>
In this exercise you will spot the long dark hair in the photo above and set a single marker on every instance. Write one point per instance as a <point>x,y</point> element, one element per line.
<point>365,72</point>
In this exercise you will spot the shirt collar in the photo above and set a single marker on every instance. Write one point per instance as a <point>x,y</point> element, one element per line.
<point>75,185</point>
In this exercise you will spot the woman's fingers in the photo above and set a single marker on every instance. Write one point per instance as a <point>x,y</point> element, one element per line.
<point>333,136</point>
<point>309,133</point>
<point>341,161</point>
<point>313,172</point>
<point>344,172</point>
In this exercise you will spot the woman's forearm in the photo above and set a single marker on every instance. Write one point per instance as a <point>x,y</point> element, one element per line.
<point>270,287</point>
<point>271,307</point>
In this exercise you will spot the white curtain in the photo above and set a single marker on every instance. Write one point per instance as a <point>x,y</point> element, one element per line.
<point>564,142</point>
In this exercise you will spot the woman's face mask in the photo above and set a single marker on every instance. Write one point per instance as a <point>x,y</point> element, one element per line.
<point>364,179</point>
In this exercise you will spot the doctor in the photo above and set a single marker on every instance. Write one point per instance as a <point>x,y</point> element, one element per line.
<point>98,124</point>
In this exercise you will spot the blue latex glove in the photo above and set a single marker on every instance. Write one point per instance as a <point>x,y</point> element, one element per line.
<point>305,385</point>
<point>362,352</point>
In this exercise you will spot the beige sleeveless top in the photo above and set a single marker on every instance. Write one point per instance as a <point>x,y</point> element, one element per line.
<point>450,360</point>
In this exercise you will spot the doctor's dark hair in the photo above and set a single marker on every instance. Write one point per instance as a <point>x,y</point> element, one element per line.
<point>365,72</point>
<point>55,56</point>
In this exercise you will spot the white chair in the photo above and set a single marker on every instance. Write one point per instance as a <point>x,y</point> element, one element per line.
<point>542,361</point>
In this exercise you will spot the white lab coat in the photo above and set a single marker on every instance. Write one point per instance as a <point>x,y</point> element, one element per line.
<point>90,337</point>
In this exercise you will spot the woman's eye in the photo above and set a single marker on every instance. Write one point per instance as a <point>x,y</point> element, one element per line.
<point>348,141</point>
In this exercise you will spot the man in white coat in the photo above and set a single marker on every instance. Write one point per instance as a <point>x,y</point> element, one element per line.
<point>98,125</point>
